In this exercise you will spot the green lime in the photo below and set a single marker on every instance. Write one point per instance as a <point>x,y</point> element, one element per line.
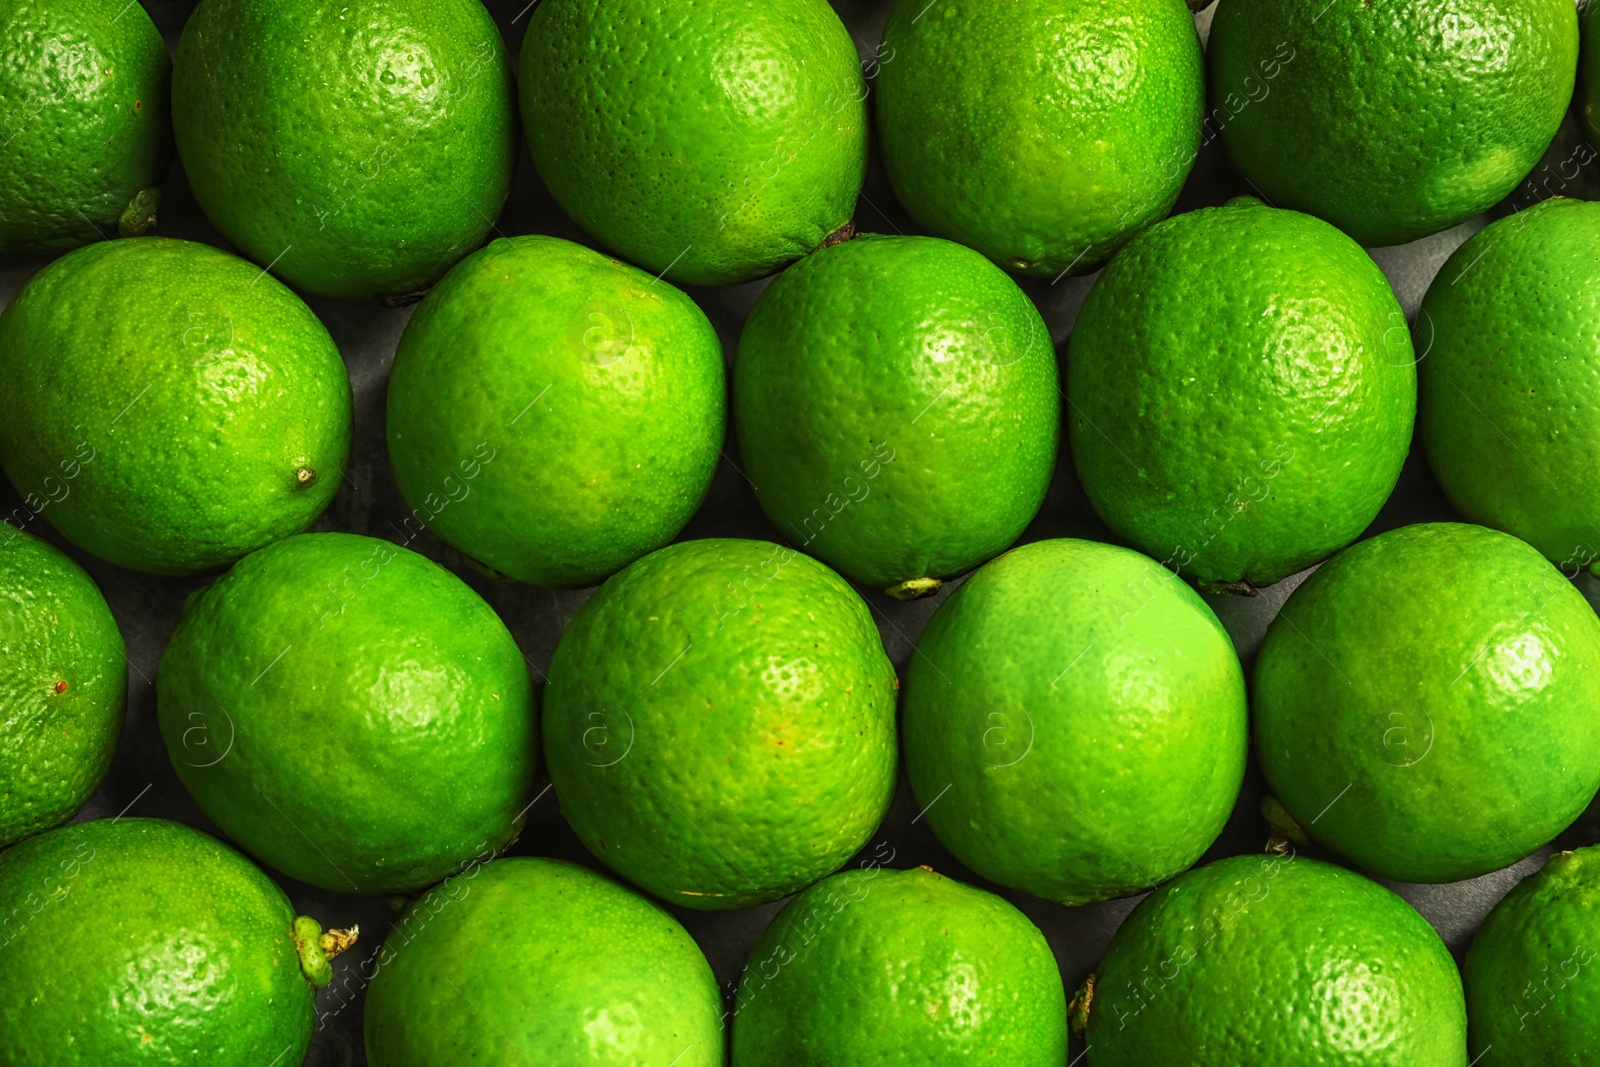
<point>1425,704</point>
<point>63,686</point>
<point>1506,411</point>
<point>710,143</point>
<point>1256,439</point>
<point>719,723</point>
<point>1391,121</point>
<point>1075,722</point>
<point>1043,136</point>
<point>1533,992</point>
<point>1588,99</point>
<point>899,968</point>
<point>141,941</point>
<point>1274,961</point>
<point>86,132</point>
<point>541,961</point>
<point>554,413</point>
<point>168,408</point>
<point>350,713</point>
<point>356,148</point>
<point>897,409</point>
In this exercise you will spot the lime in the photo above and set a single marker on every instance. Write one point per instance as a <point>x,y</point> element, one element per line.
<point>168,407</point>
<point>1425,703</point>
<point>1256,439</point>
<point>897,409</point>
<point>1075,722</point>
<point>719,723</point>
<point>1588,99</point>
<point>145,941</point>
<point>86,131</point>
<point>899,967</point>
<point>350,713</point>
<point>1511,326</point>
<point>1275,961</point>
<point>356,147</point>
<point>63,686</point>
<point>1391,121</point>
<point>1043,136</point>
<point>541,961</point>
<point>554,413</point>
<point>708,142</point>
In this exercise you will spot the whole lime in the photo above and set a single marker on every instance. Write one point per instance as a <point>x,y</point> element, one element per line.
<point>1274,961</point>
<point>541,961</point>
<point>897,409</point>
<point>554,413</point>
<point>1040,135</point>
<point>167,407</point>
<point>899,967</point>
<point>708,142</point>
<point>1075,722</point>
<point>1251,441</point>
<point>356,147</point>
<point>1533,991</point>
<point>1425,703</point>
<point>719,723</point>
<point>87,135</point>
<point>145,941</point>
<point>63,686</point>
<point>1506,404</point>
<point>1391,121</point>
<point>350,713</point>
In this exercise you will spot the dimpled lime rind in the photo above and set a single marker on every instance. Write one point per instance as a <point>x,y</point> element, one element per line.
<point>1041,136</point>
<point>350,713</point>
<point>1533,987</point>
<point>168,408</point>
<point>1425,703</point>
<point>1391,121</point>
<point>358,147</point>
<point>897,408</point>
<point>1256,439</point>
<point>712,140</point>
<point>83,84</point>
<point>554,413</point>
<point>899,968</point>
<point>1276,961</point>
<point>541,961</point>
<point>141,941</point>
<point>1507,406</point>
<point>1075,722</point>
<point>63,686</point>
<point>719,723</point>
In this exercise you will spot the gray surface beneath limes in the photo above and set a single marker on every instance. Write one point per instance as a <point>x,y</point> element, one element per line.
<point>141,780</point>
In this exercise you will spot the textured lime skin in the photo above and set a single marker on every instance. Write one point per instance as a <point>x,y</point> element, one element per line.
<point>350,713</point>
<point>83,84</point>
<point>719,723</point>
<point>1042,136</point>
<point>1256,439</point>
<point>141,941</point>
<point>542,961</point>
<point>897,407</point>
<point>1440,681</point>
<point>1507,405</point>
<point>899,968</point>
<point>1533,994</point>
<point>359,147</point>
<point>1391,121</point>
<point>1079,716</point>
<point>63,686</point>
<point>165,404</point>
<point>713,140</point>
<point>554,413</point>
<point>1276,961</point>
